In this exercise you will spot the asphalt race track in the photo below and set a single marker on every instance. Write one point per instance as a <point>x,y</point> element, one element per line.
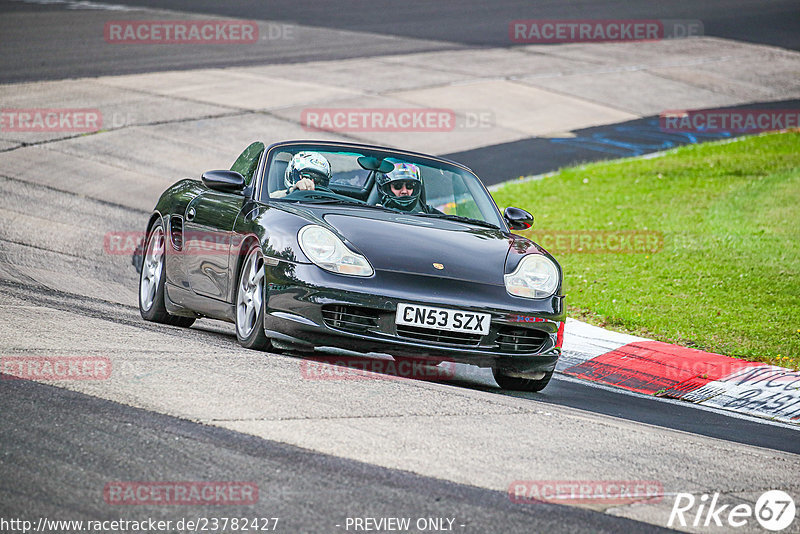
<point>191,405</point>
<point>539,155</point>
<point>309,492</point>
<point>393,27</point>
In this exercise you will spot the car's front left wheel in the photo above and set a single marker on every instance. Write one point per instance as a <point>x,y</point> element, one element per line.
<point>250,302</point>
<point>520,383</point>
<point>152,280</point>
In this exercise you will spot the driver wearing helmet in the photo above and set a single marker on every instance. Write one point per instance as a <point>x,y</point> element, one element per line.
<point>400,188</point>
<point>306,171</point>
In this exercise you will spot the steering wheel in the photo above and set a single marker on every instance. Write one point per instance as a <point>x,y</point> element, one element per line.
<point>311,194</point>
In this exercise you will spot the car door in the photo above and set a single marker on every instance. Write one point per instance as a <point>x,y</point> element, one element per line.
<point>207,227</point>
<point>208,230</point>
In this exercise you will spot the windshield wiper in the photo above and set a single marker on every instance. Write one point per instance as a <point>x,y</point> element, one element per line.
<point>458,218</point>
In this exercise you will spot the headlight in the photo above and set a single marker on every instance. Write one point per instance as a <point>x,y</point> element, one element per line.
<point>535,277</point>
<point>327,251</point>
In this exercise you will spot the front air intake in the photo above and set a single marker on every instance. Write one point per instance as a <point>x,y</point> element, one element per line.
<point>438,336</point>
<point>517,339</point>
<point>349,318</point>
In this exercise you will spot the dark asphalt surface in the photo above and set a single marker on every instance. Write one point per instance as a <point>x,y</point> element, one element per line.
<point>53,41</point>
<point>481,23</point>
<point>66,41</point>
<point>60,449</point>
<point>643,409</point>
<point>538,155</point>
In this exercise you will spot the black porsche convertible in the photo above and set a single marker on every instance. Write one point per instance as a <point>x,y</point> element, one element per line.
<point>327,246</point>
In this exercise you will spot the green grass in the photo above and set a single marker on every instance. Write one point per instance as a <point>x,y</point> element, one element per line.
<point>727,278</point>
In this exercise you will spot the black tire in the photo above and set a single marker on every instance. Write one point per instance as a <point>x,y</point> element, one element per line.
<point>522,384</point>
<point>151,298</point>
<point>250,327</point>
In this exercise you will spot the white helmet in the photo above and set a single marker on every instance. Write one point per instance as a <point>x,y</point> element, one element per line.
<point>311,165</point>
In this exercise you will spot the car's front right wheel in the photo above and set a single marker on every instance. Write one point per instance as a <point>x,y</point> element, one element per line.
<point>250,301</point>
<point>521,384</point>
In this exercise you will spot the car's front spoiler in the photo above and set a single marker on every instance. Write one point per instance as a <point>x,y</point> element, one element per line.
<point>330,342</point>
<point>294,319</point>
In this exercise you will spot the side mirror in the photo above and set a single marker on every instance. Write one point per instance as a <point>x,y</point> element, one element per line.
<point>518,219</point>
<point>225,181</point>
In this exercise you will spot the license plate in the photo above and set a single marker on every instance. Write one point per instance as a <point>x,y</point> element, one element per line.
<point>443,319</point>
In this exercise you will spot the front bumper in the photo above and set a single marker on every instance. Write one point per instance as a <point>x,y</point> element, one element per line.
<point>311,309</point>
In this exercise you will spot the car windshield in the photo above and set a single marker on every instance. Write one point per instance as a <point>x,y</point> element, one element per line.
<point>356,174</point>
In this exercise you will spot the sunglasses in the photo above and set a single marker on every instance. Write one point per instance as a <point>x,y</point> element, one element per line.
<point>397,186</point>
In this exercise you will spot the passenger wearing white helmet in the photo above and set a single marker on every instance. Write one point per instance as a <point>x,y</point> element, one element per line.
<point>307,171</point>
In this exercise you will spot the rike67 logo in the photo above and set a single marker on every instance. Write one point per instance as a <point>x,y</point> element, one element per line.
<point>774,511</point>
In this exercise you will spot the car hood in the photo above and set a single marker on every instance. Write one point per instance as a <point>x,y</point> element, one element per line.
<point>413,244</point>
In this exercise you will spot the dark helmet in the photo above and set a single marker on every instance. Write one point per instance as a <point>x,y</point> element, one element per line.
<point>311,165</point>
<point>403,172</point>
